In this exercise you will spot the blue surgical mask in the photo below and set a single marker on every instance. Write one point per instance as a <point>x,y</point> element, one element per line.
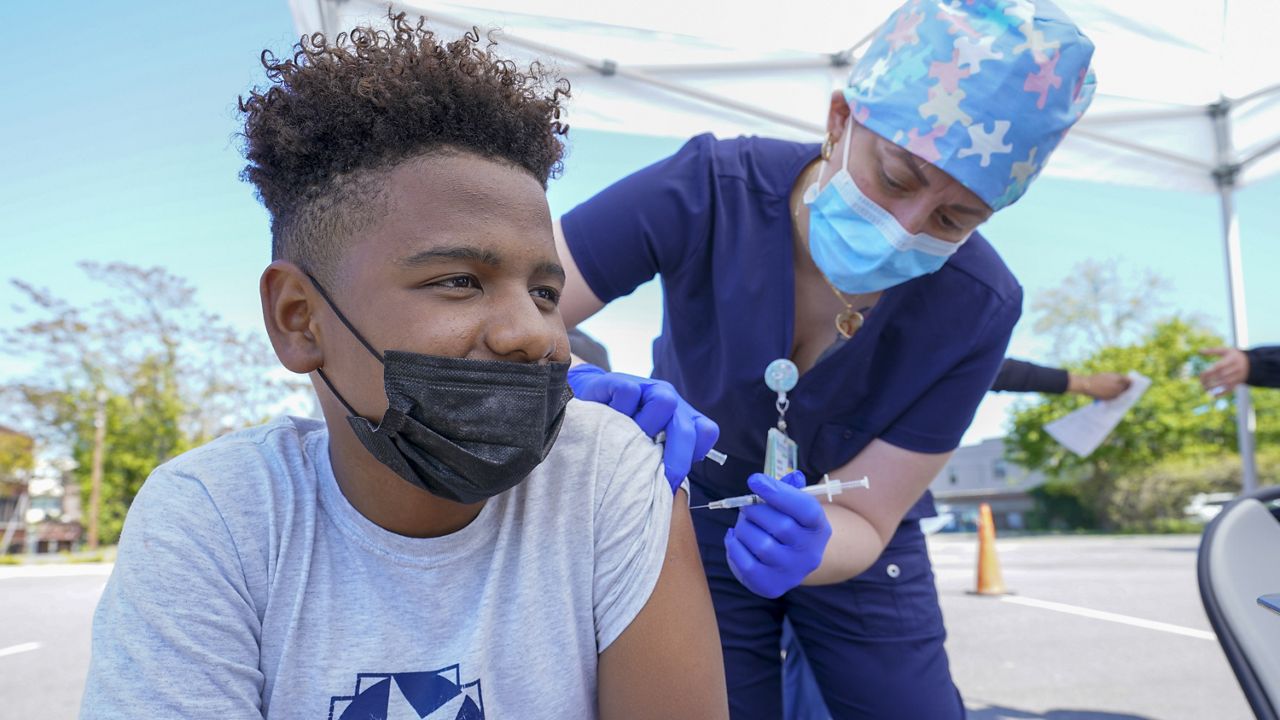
<point>860,246</point>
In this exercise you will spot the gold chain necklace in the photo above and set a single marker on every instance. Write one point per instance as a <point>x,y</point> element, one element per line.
<point>848,321</point>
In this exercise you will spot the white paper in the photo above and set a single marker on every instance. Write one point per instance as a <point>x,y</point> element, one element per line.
<point>1083,431</point>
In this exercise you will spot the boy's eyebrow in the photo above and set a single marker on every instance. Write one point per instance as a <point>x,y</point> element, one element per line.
<point>463,252</point>
<point>457,252</point>
<point>552,269</point>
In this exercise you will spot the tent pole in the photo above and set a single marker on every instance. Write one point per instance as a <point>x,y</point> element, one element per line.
<point>1225,178</point>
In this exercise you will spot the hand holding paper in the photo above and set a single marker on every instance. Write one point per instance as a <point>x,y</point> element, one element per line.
<point>1084,430</point>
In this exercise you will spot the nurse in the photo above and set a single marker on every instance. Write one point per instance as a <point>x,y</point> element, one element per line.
<point>858,260</point>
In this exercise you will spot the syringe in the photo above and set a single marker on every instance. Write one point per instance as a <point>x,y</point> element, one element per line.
<point>829,487</point>
<point>713,454</point>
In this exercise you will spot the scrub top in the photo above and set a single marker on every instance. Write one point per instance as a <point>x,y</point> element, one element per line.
<point>714,221</point>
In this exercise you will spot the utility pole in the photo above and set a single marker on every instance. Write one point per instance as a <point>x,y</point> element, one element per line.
<point>95,473</point>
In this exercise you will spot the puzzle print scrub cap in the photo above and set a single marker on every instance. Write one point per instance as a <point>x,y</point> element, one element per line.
<point>983,89</point>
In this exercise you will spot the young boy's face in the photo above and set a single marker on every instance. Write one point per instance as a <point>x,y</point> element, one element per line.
<point>463,264</point>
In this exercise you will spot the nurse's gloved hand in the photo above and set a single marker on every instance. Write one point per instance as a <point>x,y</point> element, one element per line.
<point>774,546</point>
<point>656,407</point>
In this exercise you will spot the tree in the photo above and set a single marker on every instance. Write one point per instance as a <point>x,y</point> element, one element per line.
<point>174,376</point>
<point>1095,307</point>
<point>17,458</point>
<point>1175,421</point>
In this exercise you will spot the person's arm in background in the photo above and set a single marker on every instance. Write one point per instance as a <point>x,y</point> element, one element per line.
<point>1264,366</point>
<point>1099,386</point>
<point>1023,376</point>
<point>1259,367</point>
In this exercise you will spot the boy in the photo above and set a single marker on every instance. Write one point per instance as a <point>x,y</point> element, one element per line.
<point>457,538</point>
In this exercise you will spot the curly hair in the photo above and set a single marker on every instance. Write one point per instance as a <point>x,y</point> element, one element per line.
<point>337,116</point>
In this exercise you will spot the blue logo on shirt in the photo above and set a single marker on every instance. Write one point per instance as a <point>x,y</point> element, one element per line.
<point>433,695</point>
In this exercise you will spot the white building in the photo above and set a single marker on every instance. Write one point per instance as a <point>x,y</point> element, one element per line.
<point>978,474</point>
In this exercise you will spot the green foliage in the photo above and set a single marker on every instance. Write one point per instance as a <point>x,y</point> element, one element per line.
<point>142,431</point>
<point>87,558</point>
<point>16,457</point>
<point>1145,471</point>
<point>1059,506</point>
<point>1154,499</point>
<point>166,374</point>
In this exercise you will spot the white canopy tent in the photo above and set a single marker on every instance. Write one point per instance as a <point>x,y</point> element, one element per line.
<point>1187,99</point>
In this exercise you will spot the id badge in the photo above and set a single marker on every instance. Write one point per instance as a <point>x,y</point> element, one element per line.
<point>780,454</point>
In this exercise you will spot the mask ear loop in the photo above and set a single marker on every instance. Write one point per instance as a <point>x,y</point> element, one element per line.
<point>848,141</point>
<point>323,376</point>
<point>333,306</point>
<point>334,390</point>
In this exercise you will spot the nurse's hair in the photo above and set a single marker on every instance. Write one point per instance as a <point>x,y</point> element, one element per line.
<point>338,115</point>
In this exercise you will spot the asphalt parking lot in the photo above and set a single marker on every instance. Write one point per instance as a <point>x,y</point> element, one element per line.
<point>1100,628</point>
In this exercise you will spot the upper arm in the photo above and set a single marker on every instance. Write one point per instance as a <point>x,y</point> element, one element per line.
<point>577,302</point>
<point>1011,376</point>
<point>898,478</point>
<point>645,224</point>
<point>175,633</point>
<point>668,663</point>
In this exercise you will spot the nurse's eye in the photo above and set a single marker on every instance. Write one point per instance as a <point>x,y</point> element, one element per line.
<point>946,222</point>
<point>891,183</point>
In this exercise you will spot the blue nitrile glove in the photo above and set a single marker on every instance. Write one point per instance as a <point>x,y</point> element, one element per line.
<point>774,546</point>
<point>656,407</point>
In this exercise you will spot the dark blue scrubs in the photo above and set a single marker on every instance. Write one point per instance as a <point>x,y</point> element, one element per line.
<point>714,222</point>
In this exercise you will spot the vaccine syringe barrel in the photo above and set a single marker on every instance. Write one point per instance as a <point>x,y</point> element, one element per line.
<point>829,487</point>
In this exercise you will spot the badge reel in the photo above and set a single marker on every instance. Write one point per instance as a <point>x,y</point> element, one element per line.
<point>780,450</point>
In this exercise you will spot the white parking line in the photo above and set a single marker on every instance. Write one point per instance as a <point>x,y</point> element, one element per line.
<point>15,649</point>
<point>17,572</point>
<point>1109,617</point>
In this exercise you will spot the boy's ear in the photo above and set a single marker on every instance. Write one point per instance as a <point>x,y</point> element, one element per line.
<point>288,309</point>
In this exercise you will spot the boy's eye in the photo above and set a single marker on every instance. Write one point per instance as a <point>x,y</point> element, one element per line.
<point>460,282</point>
<point>551,295</point>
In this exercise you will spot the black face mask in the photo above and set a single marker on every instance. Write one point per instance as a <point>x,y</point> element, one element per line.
<point>464,430</point>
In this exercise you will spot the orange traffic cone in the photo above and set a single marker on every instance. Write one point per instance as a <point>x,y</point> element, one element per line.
<point>990,582</point>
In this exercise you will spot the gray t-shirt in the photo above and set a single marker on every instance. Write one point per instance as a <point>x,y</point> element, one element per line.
<point>246,585</point>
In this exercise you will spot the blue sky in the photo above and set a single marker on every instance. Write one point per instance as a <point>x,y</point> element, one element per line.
<point>118,145</point>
